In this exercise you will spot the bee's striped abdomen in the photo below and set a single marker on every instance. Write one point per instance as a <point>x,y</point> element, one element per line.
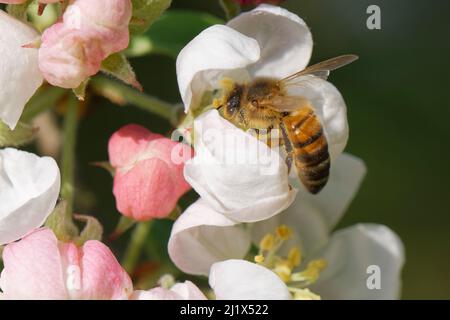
<point>310,148</point>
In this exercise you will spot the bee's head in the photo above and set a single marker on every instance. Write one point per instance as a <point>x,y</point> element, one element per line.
<point>232,103</point>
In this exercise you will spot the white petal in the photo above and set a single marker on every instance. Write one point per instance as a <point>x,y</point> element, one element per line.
<point>201,237</point>
<point>29,189</point>
<point>20,76</point>
<point>284,38</point>
<point>330,108</point>
<point>310,231</point>
<point>347,173</point>
<point>350,252</point>
<point>155,294</point>
<point>238,175</point>
<point>188,291</point>
<point>216,52</point>
<point>242,280</point>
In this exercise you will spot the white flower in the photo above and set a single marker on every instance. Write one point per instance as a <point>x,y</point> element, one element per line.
<point>20,76</point>
<point>266,42</point>
<point>202,236</point>
<point>235,173</point>
<point>29,190</point>
<point>180,291</point>
<point>349,256</point>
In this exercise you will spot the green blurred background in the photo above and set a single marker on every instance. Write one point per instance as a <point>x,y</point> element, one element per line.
<point>398,105</point>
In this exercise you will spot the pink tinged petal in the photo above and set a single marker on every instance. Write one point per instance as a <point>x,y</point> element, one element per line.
<point>20,76</point>
<point>104,13</point>
<point>216,52</point>
<point>350,253</point>
<point>102,276</point>
<point>106,23</point>
<point>201,237</point>
<point>128,144</point>
<point>149,190</point>
<point>149,179</point>
<point>243,280</point>
<point>284,38</point>
<point>237,175</point>
<point>29,190</point>
<point>69,56</point>
<point>32,268</point>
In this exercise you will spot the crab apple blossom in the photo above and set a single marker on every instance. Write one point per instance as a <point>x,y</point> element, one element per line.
<point>72,50</point>
<point>149,177</point>
<point>180,291</point>
<point>41,267</point>
<point>20,76</point>
<point>68,56</point>
<point>201,243</point>
<point>29,190</point>
<point>107,19</point>
<point>271,42</point>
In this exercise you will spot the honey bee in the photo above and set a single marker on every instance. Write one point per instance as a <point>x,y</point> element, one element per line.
<point>265,104</point>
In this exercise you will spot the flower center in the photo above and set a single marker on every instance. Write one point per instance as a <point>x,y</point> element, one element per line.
<point>297,282</point>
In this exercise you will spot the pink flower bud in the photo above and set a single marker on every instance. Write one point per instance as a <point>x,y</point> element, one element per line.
<point>107,19</point>
<point>149,172</point>
<point>69,56</point>
<point>90,31</point>
<point>41,267</point>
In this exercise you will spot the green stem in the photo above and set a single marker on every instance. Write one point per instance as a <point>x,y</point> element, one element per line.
<point>135,245</point>
<point>231,8</point>
<point>41,102</point>
<point>123,94</point>
<point>68,153</point>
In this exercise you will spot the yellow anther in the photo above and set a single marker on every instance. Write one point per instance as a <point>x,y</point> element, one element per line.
<point>305,294</point>
<point>259,258</point>
<point>267,242</point>
<point>312,272</point>
<point>283,271</point>
<point>284,232</point>
<point>319,264</point>
<point>295,256</point>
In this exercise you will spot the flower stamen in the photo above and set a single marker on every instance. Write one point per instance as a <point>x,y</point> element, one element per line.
<point>284,266</point>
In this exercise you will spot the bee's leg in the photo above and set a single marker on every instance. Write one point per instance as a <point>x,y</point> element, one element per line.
<point>287,146</point>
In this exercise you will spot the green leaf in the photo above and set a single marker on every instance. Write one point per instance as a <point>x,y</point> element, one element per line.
<point>118,66</point>
<point>171,33</point>
<point>145,12</point>
<point>21,135</point>
<point>230,7</point>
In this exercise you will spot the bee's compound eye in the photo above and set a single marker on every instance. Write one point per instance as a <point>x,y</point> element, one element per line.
<point>255,103</point>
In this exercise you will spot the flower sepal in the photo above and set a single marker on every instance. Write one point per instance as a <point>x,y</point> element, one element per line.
<point>65,229</point>
<point>117,65</point>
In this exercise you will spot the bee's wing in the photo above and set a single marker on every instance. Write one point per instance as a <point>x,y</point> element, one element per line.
<point>321,69</point>
<point>288,103</point>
